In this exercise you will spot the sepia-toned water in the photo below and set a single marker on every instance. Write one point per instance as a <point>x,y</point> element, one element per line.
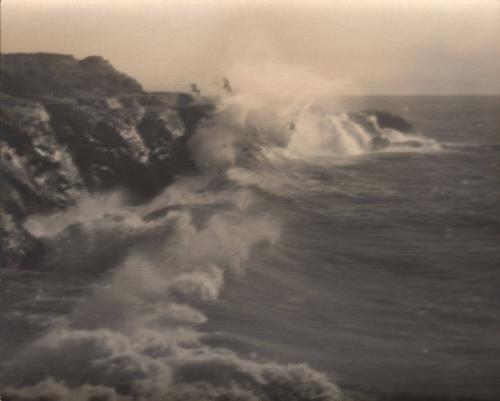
<point>300,264</point>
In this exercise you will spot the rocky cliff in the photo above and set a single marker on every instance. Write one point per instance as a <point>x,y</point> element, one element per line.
<point>72,126</point>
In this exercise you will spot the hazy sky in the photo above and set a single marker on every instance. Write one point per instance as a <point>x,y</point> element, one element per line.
<point>379,46</point>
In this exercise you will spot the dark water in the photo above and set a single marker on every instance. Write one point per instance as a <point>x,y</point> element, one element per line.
<point>379,269</point>
<point>387,273</point>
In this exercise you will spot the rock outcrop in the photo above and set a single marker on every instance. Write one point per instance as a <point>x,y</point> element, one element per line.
<point>73,126</point>
<point>375,122</point>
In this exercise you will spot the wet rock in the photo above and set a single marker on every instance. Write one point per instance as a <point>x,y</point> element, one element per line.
<point>72,126</point>
<point>19,247</point>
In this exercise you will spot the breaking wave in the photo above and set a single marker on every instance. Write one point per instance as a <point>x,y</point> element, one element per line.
<point>133,332</point>
<point>248,127</point>
<point>135,335</point>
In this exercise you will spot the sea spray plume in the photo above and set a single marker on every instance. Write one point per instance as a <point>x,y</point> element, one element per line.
<point>284,82</point>
<point>277,114</point>
<point>327,135</point>
<point>267,98</point>
<point>247,126</point>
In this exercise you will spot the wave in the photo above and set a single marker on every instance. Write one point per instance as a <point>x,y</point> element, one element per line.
<point>135,335</point>
<point>248,128</point>
<point>134,332</point>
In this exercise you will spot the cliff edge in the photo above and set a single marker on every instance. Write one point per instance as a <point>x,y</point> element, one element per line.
<point>70,127</point>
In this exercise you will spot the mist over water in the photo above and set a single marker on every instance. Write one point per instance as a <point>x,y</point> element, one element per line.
<point>301,263</point>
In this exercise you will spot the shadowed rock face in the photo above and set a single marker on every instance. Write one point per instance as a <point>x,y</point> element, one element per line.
<point>72,126</point>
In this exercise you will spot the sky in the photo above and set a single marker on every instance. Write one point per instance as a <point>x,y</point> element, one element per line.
<point>364,47</point>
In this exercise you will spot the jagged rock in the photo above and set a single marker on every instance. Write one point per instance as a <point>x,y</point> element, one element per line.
<point>73,126</point>
<point>32,160</point>
<point>17,245</point>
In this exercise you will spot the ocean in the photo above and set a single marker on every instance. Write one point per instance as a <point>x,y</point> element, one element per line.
<point>300,263</point>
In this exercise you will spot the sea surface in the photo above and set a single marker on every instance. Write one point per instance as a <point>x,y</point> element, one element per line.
<point>299,264</point>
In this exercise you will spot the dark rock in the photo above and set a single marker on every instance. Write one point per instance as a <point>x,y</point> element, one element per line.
<point>373,120</point>
<point>379,143</point>
<point>33,162</point>
<point>393,121</point>
<point>18,247</point>
<point>72,126</point>
<point>58,75</point>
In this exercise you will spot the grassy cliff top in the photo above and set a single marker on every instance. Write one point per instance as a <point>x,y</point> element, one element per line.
<point>61,75</point>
